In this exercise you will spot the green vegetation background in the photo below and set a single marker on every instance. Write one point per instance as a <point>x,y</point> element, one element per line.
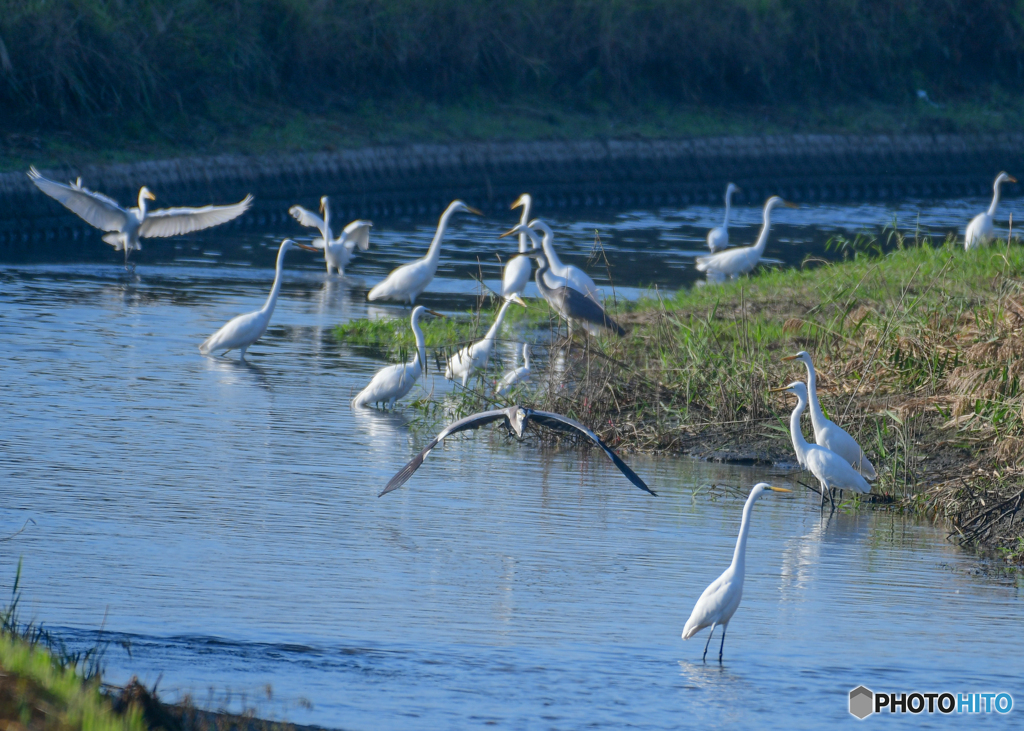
<point>114,79</point>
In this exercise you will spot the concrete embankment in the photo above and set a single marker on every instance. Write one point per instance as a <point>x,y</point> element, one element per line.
<point>420,179</point>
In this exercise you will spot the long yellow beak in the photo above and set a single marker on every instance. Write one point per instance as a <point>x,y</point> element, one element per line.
<point>779,489</point>
<point>519,202</point>
<point>778,390</point>
<point>509,233</point>
<point>517,299</point>
<point>149,195</point>
<point>791,357</point>
<point>470,209</point>
<point>788,204</point>
<point>436,314</point>
<point>1012,179</point>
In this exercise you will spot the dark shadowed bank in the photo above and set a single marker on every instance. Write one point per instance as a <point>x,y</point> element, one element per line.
<point>92,80</point>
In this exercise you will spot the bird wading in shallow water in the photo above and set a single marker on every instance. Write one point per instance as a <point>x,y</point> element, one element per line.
<point>733,262</point>
<point>127,226</point>
<point>831,470</point>
<point>337,252</point>
<point>515,419</point>
<point>516,376</point>
<point>407,281</point>
<point>474,357</point>
<point>244,330</point>
<point>828,434</point>
<point>518,269</point>
<point>981,229</point>
<point>718,237</point>
<point>722,597</point>
<point>393,382</point>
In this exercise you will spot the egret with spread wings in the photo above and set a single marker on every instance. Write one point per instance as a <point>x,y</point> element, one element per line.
<point>127,226</point>
<point>337,251</point>
<point>515,419</point>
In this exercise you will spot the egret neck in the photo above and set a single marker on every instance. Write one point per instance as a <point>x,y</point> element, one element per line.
<point>739,555</point>
<point>489,337</point>
<point>268,308</point>
<point>434,252</point>
<point>799,443</point>
<point>995,197</point>
<point>817,415</point>
<point>549,250</point>
<point>523,221</point>
<point>421,344</point>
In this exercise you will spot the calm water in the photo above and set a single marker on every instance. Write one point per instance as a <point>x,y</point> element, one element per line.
<point>222,518</point>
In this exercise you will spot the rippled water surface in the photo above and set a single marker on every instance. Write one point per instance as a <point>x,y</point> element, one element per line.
<point>222,518</point>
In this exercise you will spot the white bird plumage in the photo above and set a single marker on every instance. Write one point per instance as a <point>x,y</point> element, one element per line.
<point>559,274</point>
<point>519,268</point>
<point>981,229</point>
<point>337,251</point>
<point>127,226</point>
<point>242,331</point>
<point>409,280</point>
<point>831,470</point>
<point>395,381</point>
<point>722,598</point>
<point>829,434</point>
<point>718,237</point>
<point>733,262</point>
<point>515,376</point>
<point>474,357</point>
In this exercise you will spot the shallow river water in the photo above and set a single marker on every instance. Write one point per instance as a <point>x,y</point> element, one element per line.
<point>221,519</point>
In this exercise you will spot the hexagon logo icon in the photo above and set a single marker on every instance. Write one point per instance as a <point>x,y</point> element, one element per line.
<point>862,702</point>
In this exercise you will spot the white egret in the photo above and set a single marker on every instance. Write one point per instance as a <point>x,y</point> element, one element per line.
<point>515,419</point>
<point>559,274</point>
<point>718,237</point>
<point>128,226</point>
<point>733,262</point>
<point>518,269</point>
<point>831,470</point>
<point>393,382</point>
<point>474,357</point>
<point>573,306</point>
<point>981,229</point>
<point>515,376</point>
<point>827,433</point>
<point>722,597</point>
<point>337,251</point>
<point>244,330</point>
<point>409,280</point>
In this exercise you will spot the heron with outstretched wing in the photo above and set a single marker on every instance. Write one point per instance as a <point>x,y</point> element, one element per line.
<point>515,419</point>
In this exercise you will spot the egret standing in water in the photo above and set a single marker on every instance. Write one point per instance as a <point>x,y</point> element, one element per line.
<point>393,382</point>
<point>518,269</point>
<point>718,237</point>
<point>337,251</point>
<point>558,274</point>
<point>734,262</point>
<point>981,229</point>
<point>722,597</point>
<point>831,470</point>
<point>474,357</point>
<point>409,280</point>
<point>244,330</point>
<point>128,226</point>
<point>517,375</point>
<point>828,434</point>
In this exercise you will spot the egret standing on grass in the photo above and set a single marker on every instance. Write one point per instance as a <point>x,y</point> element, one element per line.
<point>128,226</point>
<point>516,375</point>
<point>981,229</point>
<point>409,280</point>
<point>393,382</point>
<point>573,306</point>
<point>828,434</point>
<point>722,597</point>
<point>518,269</point>
<point>474,357</point>
<point>718,237</point>
<point>244,330</point>
<point>734,262</point>
<point>515,419</point>
<point>337,251</point>
<point>831,470</point>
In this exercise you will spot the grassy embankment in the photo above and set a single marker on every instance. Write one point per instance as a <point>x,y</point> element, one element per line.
<point>920,355</point>
<point>86,81</point>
